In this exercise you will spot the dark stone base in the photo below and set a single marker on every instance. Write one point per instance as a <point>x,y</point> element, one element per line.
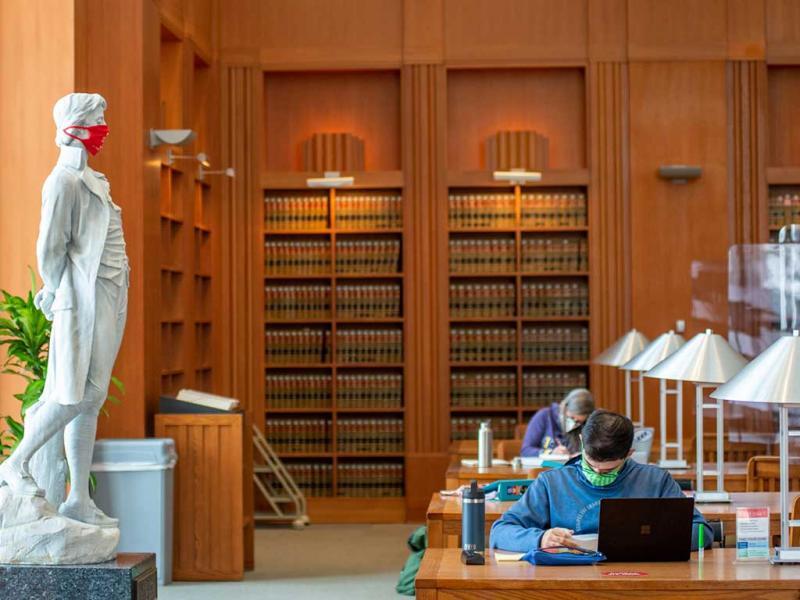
<point>129,577</point>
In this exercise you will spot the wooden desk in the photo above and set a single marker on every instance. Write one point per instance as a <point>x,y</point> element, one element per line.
<point>444,515</point>
<point>442,577</point>
<point>458,475</point>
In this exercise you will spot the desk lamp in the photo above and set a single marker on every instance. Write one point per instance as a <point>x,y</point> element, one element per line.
<point>655,352</point>
<point>707,360</point>
<point>620,352</point>
<point>774,378</point>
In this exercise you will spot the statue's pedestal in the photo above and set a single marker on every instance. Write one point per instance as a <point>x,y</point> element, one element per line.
<point>129,577</point>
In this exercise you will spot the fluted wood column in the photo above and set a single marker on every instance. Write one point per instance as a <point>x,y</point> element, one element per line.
<point>609,222</point>
<point>242,221</point>
<point>426,260</point>
<point>747,85</point>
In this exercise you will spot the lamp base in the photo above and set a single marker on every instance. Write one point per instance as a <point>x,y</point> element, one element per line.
<point>712,497</point>
<point>785,556</point>
<point>673,464</point>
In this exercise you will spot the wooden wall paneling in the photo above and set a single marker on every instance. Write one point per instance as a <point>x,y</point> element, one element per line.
<point>426,260</point>
<point>550,101</point>
<point>122,66</point>
<point>608,30</point>
<point>783,116</point>
<point>678,115</point>
<point>677,30</point>
<point>783,31</point>
<point>363,103</point>
<point>239,38</point>
<point>37,61</point>
<point>609,222</point>
<point>200,24</point>
<point>747,213</point>
<point>209,506</point>
<point>746,29</point>
<point>515,32</point>
<point>423,31</point>
<point>242,252</point>
<point>305,34</point>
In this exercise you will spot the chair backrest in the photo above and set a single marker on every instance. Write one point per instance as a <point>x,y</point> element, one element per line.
<point>718,527</point>
<point>519,431</point>
<point>763,474</point>
<point>794,532</point>
<point>733,451</point>
<point>508,449</point>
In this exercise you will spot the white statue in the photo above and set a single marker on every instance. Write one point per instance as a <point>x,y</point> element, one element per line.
<point>82,262</point>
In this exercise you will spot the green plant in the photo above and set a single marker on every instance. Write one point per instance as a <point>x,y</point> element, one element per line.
<point>25,333</point>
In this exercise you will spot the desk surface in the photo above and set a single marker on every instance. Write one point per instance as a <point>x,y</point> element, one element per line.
<point>442,575</point>
<point>458,471</point>
<point>444,514</point>
<point>449,507</point>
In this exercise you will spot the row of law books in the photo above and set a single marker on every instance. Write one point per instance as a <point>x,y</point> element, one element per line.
<point>494,389</point>
<point>362,301</point>
<point>498,209</point>
<point>353,390</point>
<point>313,257</point>
<point>354,210</point>
<point>370,435</point>
<point>499,344</point>
<point>466,428</point>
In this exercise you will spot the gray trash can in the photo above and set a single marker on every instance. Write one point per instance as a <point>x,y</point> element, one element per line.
<point>134,484</point>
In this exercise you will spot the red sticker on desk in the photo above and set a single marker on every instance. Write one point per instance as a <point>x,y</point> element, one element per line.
<point>624,574</point>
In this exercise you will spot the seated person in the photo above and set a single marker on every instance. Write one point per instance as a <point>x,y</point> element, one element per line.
<point>546,430</point>
<point>564,501</point>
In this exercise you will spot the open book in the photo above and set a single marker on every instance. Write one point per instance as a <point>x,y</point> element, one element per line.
<point>208,400</point>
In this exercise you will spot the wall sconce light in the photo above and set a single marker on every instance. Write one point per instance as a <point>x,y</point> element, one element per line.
<point>229,172</point>
<point>170,137</point>
<point>679,173</point>
<point>331,179</point>
<point>517,176</point>
<point>200,157</point>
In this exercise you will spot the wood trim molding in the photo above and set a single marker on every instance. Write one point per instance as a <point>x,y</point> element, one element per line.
<point>747,101</point>
<point>609,220</point>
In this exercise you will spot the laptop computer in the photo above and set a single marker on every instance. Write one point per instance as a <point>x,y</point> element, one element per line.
<point>646,529</point>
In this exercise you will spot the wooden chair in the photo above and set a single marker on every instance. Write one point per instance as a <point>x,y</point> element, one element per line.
<point>519,431</point>
<point>794,532</point>
<point>508,449</point>
<point>733,451</point>
<point>763,474</point>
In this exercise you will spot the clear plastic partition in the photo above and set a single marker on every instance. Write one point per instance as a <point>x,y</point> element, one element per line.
<point>763,304</point>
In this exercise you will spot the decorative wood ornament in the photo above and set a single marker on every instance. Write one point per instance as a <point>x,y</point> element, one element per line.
<point>333,152</point>
<point>517,150</point>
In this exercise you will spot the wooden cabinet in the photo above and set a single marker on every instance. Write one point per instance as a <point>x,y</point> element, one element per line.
<point>213,511</point>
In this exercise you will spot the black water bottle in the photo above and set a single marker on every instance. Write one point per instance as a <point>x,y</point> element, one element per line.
<point>473,517</point>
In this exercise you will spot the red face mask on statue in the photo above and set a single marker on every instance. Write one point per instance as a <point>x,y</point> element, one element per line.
<point>95,138</point>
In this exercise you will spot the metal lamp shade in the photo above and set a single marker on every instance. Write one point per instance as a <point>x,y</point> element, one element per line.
<point>656,351</point>
<point>624,349</point>
<point>706,358</point>
<point>772,377</point>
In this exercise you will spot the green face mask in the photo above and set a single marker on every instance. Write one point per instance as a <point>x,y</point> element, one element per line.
<point>599,479</point>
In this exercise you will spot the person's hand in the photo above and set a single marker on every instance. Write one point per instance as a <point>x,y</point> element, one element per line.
<point>560,450</point>
<point>44,301</point>
<point>558,536</point>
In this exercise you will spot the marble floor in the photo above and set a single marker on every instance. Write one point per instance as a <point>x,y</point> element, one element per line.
<point>334,562</point>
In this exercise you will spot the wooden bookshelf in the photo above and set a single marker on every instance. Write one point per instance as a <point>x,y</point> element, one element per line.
<point>514,374</point>
<point>331,284</point>
<point>189,223</point>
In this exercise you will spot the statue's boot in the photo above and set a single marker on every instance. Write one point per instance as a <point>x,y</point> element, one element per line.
<point>18,480</point>
<point>42,424</point>
<point>87,512</point>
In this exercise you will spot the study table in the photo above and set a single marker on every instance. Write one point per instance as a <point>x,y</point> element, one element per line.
<point>444,515</point>
<point>458,475</point>
<point>717,575</point>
